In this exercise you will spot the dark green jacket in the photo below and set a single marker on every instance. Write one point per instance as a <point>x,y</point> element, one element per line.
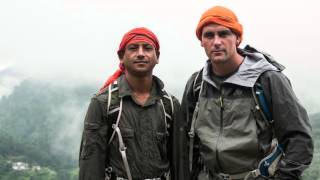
<point>149,144</point>
<point>233,137</point>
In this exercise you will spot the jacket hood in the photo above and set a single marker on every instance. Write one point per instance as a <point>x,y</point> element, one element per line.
<point>254,64</point>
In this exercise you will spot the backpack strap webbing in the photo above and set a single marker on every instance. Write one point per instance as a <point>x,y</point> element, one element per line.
<point>268,165</point>
<point>168,108</point>
<point>196,92</point>
<point>112,88</point>
<point>197,84</point>
<point>261,102</point>
<point>122,148</point>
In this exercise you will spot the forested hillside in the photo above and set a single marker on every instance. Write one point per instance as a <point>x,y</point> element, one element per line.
<point>313,173</point>
<point>40,125</point>
<point>40,131</point>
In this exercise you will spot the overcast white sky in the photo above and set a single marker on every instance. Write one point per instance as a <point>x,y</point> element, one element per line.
<point>76,40</point>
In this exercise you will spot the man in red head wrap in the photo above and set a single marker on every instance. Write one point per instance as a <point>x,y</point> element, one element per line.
<point>135,35</point>
<point>240,110</point>
<point>130,124</point>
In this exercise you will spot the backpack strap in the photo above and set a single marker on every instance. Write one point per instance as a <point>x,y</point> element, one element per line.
<point>166,102</point>
<point>268,165</point>
<point>168,98</point>
<point>197,88</point>
<point>197,84</point>
<point>168,108</point>
<point>118,107</point>
<point>115,126</point>
<point>122,147</point>
<point>261,103</point>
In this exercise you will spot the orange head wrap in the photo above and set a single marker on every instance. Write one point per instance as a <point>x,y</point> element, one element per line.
<point>222,16</point>
<point>135,35</point>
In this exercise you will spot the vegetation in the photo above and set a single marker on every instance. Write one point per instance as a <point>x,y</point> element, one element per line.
<point>313,173</point>
<point>41,124</point>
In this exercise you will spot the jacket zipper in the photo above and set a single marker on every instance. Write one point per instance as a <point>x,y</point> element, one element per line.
<point>221,126</point>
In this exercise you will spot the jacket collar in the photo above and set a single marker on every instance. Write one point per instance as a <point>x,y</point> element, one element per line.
<point>253,66</point>
<point>125,90</point>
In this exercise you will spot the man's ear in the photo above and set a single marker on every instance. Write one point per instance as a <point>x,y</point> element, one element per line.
<point>121,54</point>
<point>201,43</point>
<point>238,41</point>
<point>158,55</point>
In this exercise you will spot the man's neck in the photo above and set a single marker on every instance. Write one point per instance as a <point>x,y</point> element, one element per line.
<point>140,86</point>
<point>229,67</point>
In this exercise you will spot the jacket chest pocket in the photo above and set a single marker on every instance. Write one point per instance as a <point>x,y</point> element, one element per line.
<point>161,139</point>
<point>127,135</point>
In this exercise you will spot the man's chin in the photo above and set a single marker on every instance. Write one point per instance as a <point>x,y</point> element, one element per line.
<point>141,73</point>
<point>217,60</point>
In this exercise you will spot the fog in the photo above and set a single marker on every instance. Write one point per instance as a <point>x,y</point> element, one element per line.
<point>75,41</point>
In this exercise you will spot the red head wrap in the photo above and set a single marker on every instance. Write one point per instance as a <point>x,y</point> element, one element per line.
<point>135,35</point>
<point>139,35</point>
<point>222,16</point>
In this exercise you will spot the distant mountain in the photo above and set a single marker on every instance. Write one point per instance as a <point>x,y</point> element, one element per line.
<point>9,78</point>
<point>41,123</point>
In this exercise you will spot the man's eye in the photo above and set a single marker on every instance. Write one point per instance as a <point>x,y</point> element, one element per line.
<point>224,33</point>
<point>209,35</point>
<point>148,47</point>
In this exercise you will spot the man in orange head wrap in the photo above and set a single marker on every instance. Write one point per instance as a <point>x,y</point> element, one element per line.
<point>130,124</point>
<point>231,132</point>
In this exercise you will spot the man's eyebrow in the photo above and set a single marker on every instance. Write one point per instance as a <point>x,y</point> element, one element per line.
<point>133,44</point>
<point>147,44</point>
<point>224,31</point>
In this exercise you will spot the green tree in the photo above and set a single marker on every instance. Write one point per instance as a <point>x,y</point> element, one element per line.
<point>35,120</point>
<point>313,172</point>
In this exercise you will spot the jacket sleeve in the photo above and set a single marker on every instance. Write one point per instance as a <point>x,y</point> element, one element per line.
<point>93,144</point>
<point>187,107</point>
<point>291,124</point>
<point>175,156</point>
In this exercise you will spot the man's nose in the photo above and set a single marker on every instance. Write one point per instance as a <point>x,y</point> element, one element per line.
<point>140,53</point>
<point>216,40</point>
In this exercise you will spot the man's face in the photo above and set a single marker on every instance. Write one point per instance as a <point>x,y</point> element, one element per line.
<point>219,42</point>
<point>139,58</point>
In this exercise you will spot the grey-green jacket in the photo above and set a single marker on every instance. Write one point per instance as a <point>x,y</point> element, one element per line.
<point>143,128</point>
<point>231,133</point>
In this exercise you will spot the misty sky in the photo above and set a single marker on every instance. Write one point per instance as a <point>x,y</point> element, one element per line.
<point>66,41</point>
